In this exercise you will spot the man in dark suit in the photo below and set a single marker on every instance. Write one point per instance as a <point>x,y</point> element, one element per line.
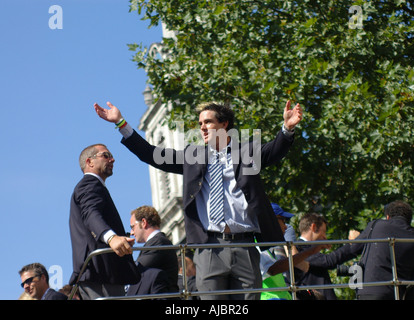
<point>247,210</point>
<point>95,224</point>
<point>35,282</point>
<point>153,281</point>
<point>376,260</point>
<point>145,227</point>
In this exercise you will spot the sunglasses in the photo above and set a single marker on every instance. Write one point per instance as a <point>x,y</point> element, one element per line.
<point>106,155</point>
<point>28,281</point>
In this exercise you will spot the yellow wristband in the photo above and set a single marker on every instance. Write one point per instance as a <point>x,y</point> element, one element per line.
<point>120,123</point>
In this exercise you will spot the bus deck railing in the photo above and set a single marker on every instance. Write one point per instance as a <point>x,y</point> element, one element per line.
<point>185,294</point>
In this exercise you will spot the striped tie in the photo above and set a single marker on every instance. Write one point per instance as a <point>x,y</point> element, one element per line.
<point>216,191</point>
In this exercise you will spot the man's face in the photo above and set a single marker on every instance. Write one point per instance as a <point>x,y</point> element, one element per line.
<point>103,162</point>
<point>282,223</point>
<point>136,230</point>
<point>33,284</point>
<point>210,128</point>
<point>319,234</point>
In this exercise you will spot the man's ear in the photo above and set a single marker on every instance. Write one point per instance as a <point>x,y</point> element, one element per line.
<point>144,223</point>
<point>313,227</point>
<point>89,162</point>
<point>43,277</point>
<point>226,124</point>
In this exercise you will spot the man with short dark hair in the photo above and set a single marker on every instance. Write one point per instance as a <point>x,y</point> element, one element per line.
<point>312,227</point>
<point>35,282</point>
<point>223,197</point>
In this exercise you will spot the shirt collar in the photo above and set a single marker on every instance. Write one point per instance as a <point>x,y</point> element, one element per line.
<point>44,295</point>
<point>96,176</point>
<point>222,154</point>
<point>152,235</point>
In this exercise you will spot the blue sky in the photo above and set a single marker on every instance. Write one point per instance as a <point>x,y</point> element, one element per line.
<point>49,80</point>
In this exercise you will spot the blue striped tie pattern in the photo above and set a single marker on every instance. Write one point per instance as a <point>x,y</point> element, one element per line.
<point>216,191</point>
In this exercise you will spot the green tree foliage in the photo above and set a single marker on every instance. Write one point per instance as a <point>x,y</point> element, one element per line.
<point>354,149</point>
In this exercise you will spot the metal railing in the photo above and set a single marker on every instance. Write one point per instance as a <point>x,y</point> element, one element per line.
<point>185,294</point>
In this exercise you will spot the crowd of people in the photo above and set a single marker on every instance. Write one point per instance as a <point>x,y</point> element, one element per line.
<point>224,203</point>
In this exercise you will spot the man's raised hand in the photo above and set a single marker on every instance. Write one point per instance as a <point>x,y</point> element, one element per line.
<point>292,116</point>
<point>111,115</point>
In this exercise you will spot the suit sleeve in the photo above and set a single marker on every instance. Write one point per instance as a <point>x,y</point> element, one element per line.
<point>152,258</point>
<point>337,257</point>
<point>275,150</point>
<point>343,254</point>
<point>91,204</point>
<point>160,284</point>
<point>165,159</point>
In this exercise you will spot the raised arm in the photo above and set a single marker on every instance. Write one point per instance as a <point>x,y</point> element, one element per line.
<point>165,159</point>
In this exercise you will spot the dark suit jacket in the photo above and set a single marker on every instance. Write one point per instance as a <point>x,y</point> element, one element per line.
<point>53,295</point>
<point>161,259</point>
<point>377,263</point>
<point>316,276</point>
<point>152,281</point>
<point>92,212</point>
<point>193,175</point>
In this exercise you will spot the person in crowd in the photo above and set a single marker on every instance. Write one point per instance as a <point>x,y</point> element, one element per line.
<point>67,290</point>
<point>25,296</point>
<point>95,224</point>
<point>190,272</point>
<point>223,197</point>
<point>145,227</point>
<point>376,260</point>
<point>312,227</point>
<point>35,282</point>
<point>274,261</point>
